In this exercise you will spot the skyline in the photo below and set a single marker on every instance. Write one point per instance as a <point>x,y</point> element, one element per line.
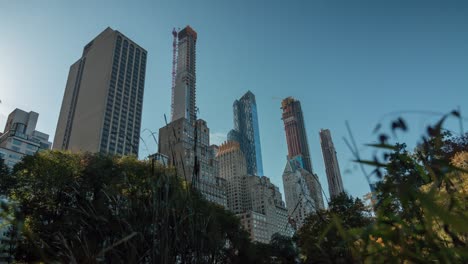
<point>42,91</point>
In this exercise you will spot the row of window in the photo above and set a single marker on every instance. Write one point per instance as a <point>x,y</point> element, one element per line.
<point>123,117</point>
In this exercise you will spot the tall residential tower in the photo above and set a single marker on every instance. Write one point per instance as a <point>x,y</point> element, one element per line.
<point>183,93</point>
<point>302,188</point>
<point>186,139</point>
<point>296,137</point>
<point>335,184</point>
<point>247,133</point>
<point>103,100</point>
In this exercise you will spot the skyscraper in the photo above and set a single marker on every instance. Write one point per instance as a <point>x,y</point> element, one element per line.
<point>302,188</point>
<point>247,133</point>
<point>335,184</point>
<point>296,137</point>
<point>183,93</point>
<point>186,139</point>
<point>103,100</point>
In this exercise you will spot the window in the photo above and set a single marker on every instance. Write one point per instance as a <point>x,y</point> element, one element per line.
<point>17,142</point>
<point>14,156</point>
<point>44,145</point>
<point>32,147</point>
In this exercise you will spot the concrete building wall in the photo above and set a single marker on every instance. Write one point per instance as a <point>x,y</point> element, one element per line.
<point>176,141</point>
<point>233,168</point>
<point>102,103</point>
<point>315,188</point>
<point>302,192</point>
<point>27,120</point>
<point>65,109</point>
<point>252,197</point>
<point>88,116</point>
<point>185,86</point>
<point>335,183</point>
<point>21,138</point>
<point>266,199</point>
<point>257,226</point>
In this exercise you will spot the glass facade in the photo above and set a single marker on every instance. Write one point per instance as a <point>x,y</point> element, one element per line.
<point>246,132</point>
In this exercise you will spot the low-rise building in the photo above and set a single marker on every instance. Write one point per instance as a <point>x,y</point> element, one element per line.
<point>266,199</point>
<point>303,192</point>
<point>257,226</point>
<point>21,138</point>
<point>187,146</point>
<point>255,200</point>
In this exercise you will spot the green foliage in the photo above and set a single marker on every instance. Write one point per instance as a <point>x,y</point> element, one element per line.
<point>280,250</point>
<point>421,202</point>
<point>325,235</point>
<point>283,249</point>
<point>90,208</point>
<point>86,208</point>
<point>420,211</point>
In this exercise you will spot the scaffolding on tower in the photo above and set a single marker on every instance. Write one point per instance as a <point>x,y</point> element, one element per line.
<point>174,68</point>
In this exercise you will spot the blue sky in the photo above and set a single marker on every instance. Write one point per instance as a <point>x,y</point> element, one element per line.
<point>361,61</point>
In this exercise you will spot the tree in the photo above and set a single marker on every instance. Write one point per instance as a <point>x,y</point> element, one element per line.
<point>4,177</point>
<point>421,211</point>
<point>89,208</point>
<point>8,232</point>
<point>283,249</point>
<point>324,236</point>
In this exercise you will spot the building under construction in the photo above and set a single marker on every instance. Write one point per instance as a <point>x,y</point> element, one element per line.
<point>184,74</point>
<point>302,189</point>
<point>186,139</point>
<point>296,137</point>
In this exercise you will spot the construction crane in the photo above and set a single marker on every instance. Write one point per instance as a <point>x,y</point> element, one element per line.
<point>174,67</point>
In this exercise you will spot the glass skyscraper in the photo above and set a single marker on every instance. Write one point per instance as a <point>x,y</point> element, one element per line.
<point>247,133</point>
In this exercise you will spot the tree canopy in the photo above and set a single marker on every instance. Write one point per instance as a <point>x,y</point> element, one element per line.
<point>88,208</point>
<point>323,236</point>
<point>420,211</point>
